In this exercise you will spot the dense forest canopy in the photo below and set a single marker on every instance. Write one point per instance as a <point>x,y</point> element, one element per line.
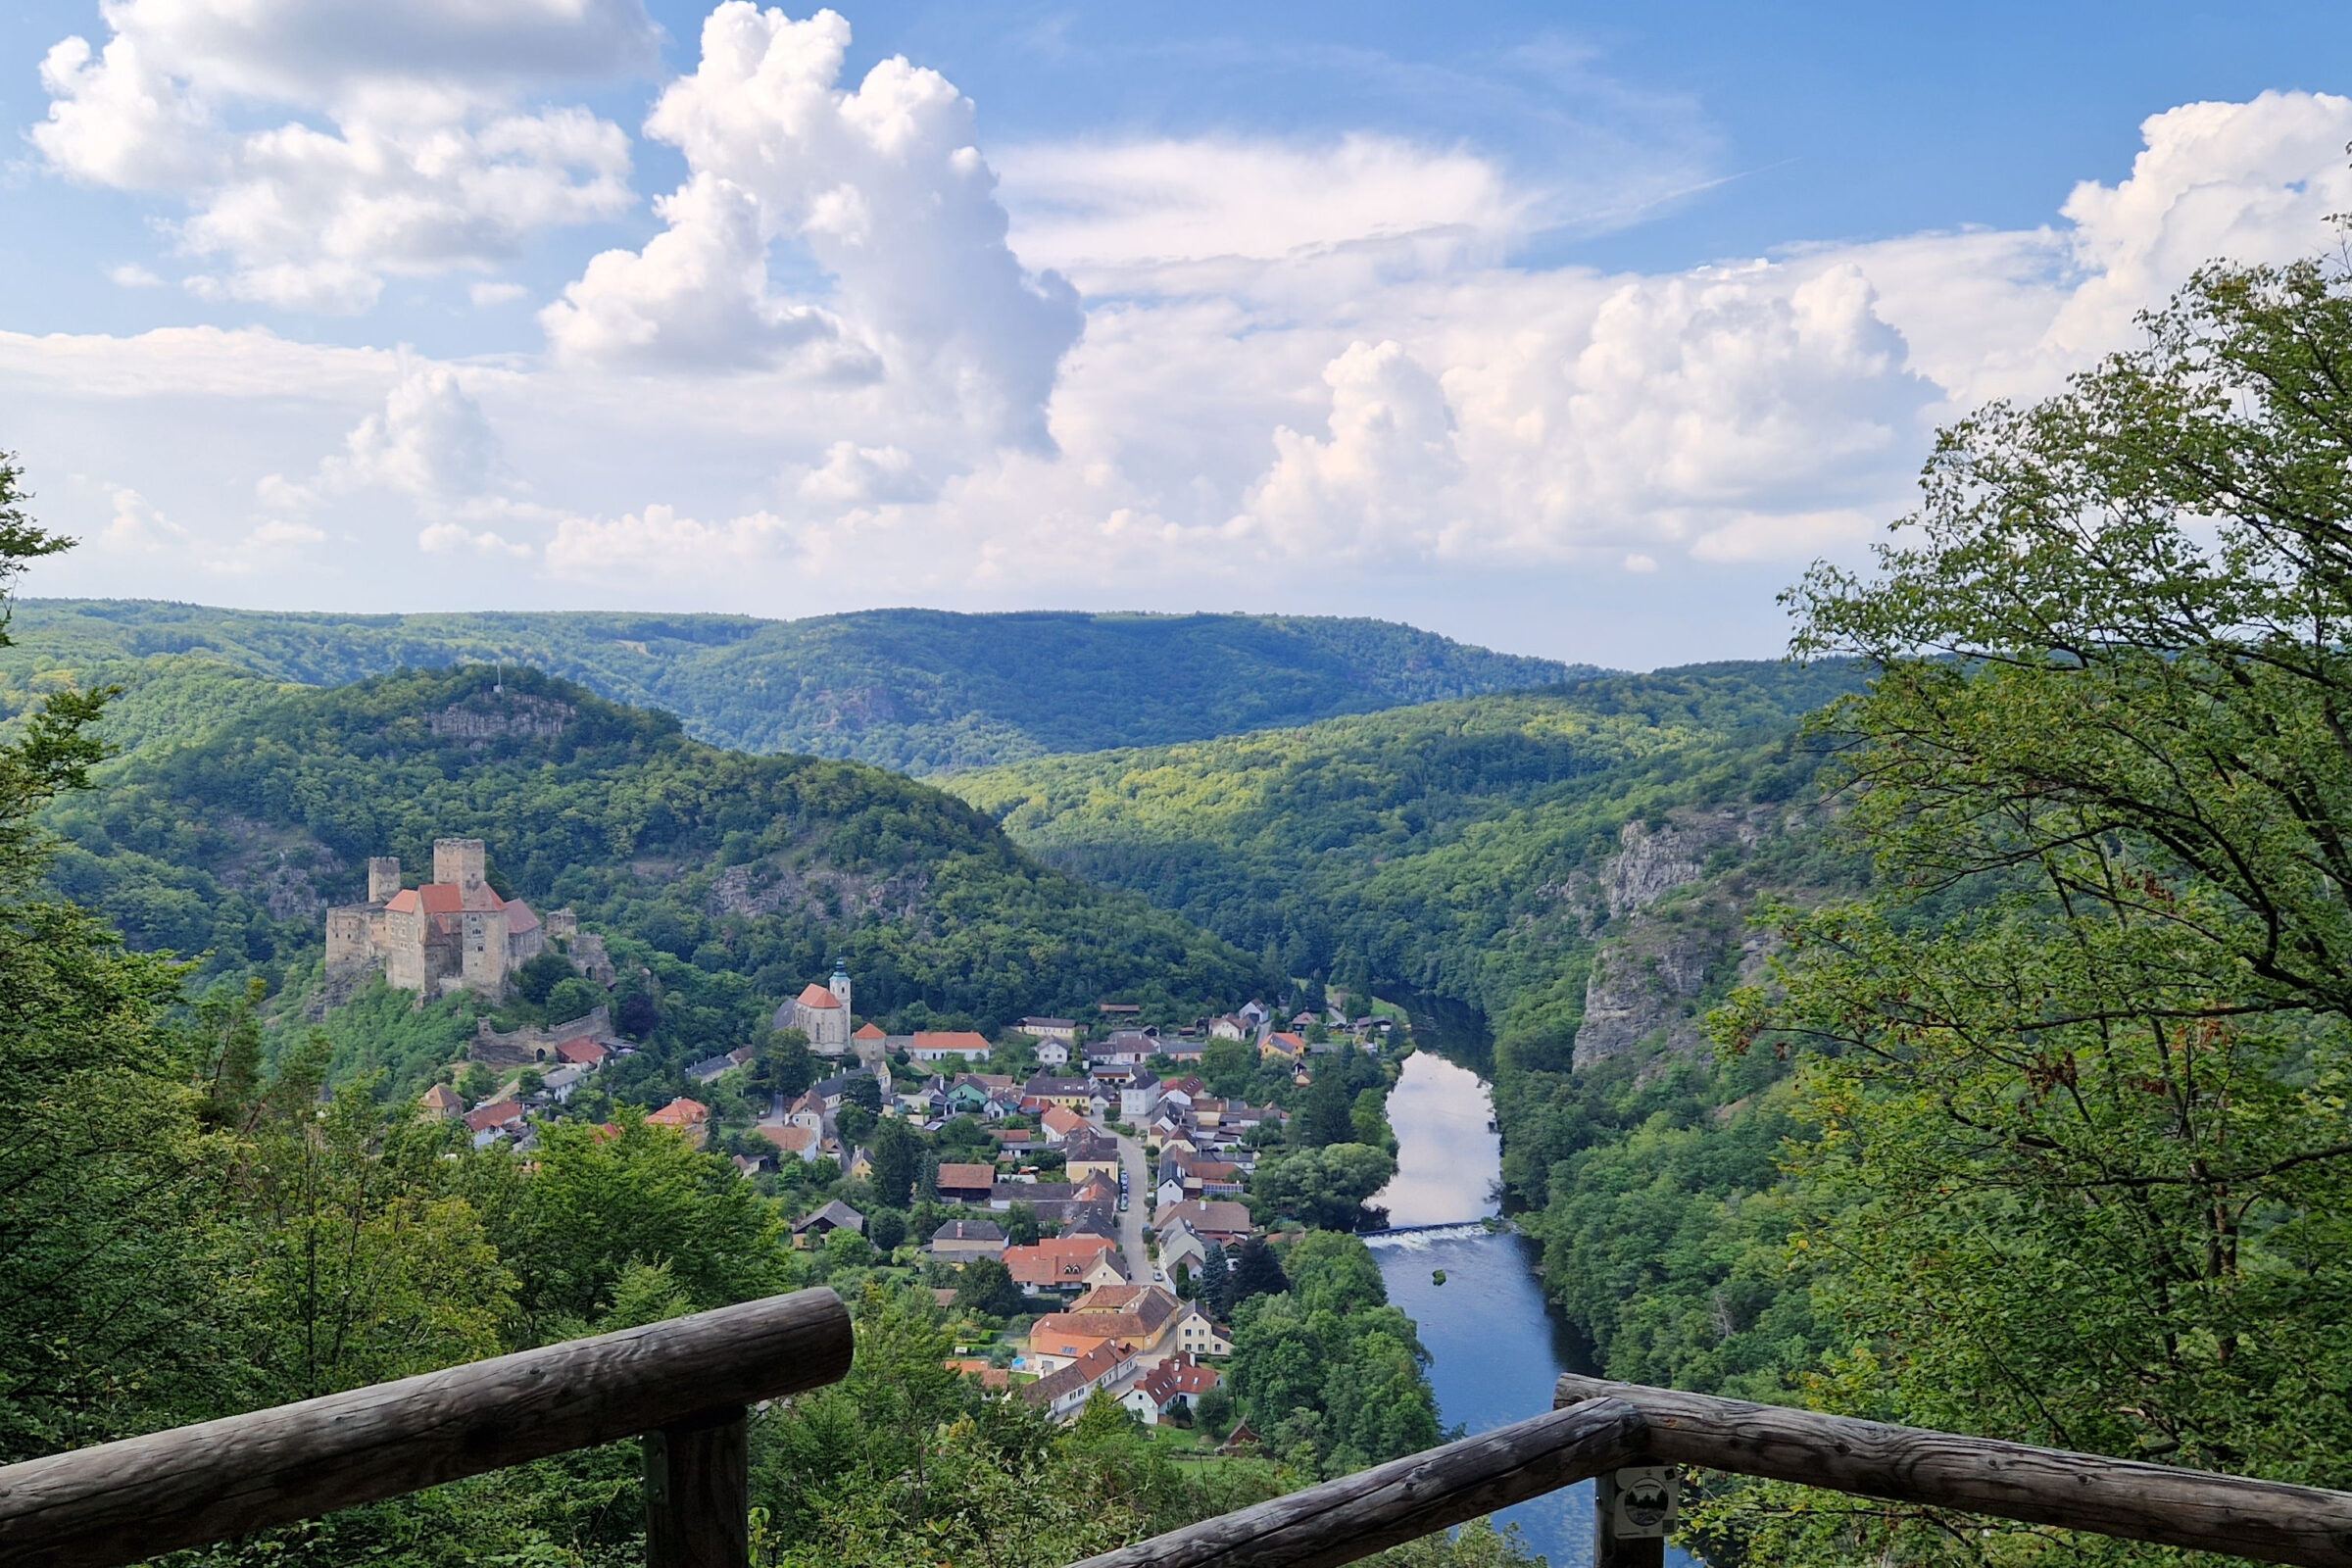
<point>917,690</point>
<point>726,882</point>
<point>1450,848</point>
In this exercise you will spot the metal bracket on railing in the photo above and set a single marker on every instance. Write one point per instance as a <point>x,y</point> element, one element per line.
<point>1632,1511</point>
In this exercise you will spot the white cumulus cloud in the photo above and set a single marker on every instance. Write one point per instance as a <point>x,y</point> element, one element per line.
<point>430,163</point>
<point>882,186</point>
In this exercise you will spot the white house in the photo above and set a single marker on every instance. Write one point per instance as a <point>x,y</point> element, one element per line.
<point>1053,1053</point>
<point>1139,1097</point>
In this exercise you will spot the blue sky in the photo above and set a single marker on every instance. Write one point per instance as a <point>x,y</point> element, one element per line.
<point>1567,329</point>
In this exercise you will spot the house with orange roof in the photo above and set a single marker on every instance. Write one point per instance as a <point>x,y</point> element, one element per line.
<point>1139,1317</point>
<point>799,1143</point>
<point>1175,1384</point>
<point>440,1102</point>
<point>1282,1045</point>
<point>690,1117</point>
<point>1057,1122</point>
<point>1067,1264</point>
<point>947,1044</point>
<point>1064,1391</point>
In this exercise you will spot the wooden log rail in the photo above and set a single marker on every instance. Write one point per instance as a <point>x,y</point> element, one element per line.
<point>2238,1516</point>
<point>1604,1428</point>
<point>686,1383</point>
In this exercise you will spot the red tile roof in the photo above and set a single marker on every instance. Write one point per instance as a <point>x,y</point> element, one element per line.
<point>1059,1259</point>
<point>818,997</point>
<point>950,1040</point>
<point>496,1114</point>
<point>964,1178</point>
<point>866,1031</point>
<point>680,1112</point>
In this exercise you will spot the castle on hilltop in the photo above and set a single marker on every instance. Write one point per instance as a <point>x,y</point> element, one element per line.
<point>455,933</point>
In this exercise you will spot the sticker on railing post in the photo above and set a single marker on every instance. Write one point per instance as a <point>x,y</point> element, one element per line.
<point>1639,1503</point>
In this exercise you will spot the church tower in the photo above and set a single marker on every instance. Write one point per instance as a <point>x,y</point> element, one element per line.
<point>839,985</point>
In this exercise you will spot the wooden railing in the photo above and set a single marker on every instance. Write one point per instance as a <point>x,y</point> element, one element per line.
<point>1601,1430</point>
<point>686,1385</point>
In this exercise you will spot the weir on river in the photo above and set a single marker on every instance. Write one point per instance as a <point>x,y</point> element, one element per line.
<point>1494,1347</point>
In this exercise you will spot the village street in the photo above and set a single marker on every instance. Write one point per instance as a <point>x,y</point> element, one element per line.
<point>1131,1222</point>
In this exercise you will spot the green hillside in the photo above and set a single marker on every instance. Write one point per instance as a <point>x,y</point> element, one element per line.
<point>1450,848</point>
<point>917,690</point>
<point>726,881</point>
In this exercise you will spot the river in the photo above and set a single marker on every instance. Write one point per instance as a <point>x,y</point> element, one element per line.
<point>1494,1347</point>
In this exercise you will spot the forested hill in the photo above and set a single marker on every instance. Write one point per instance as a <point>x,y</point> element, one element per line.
<point>917,690</point>
<point>1455,848</point>
<point>733,879</point>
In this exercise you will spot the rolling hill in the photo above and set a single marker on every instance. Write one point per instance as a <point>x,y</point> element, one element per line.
<point>1457,849</point>
<point>917,690</point>
<point>724,881</point>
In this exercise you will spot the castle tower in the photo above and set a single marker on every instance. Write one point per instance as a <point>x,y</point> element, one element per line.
<point>839,985</point>
<point>465,861</point>
<point>383,878</point>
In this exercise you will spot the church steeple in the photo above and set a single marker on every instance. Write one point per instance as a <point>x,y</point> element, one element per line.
<point>839,985</point>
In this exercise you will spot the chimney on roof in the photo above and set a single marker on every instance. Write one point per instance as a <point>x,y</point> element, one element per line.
<point>465,861</point>
<point>384,877</point>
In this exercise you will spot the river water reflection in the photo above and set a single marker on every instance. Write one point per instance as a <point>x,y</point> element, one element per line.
<point>1494,1347</point>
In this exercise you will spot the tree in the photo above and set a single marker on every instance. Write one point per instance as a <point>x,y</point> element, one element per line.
<point>1327,1187</point>
<point>886,1228</point>
<point>1215,1289</point>
<point>1230,1069</point>
<point>1328,1370</point>
<point>987,1285</point>
<point>109,1159</point>
<point>1020,1225</point>
<point>854,1122</point>
<point>898,1153</point>
<point>789,1066</point>
<point>539,975</point>
<point>1327,1114</point>
<point>1257,1271</point>
<point>477,1082</point>
<point>597,1204</point>
<point>865,1090</point>
<point>2080,1055</point>
<point>573,996</point>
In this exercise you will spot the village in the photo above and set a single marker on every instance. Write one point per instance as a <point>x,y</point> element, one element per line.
<point>1073,1192</point>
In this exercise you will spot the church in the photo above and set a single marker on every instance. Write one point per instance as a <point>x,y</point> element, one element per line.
<point>822,1013</point>
<point>452,934</point>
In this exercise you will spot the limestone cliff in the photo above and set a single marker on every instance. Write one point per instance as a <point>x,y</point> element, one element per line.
<point>1678,895</point>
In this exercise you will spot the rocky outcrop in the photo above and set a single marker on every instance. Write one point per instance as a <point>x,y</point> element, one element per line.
<point>1647,983</point>
<point>1676,902</point>
<point>501,716</point>
<point>771,887</point>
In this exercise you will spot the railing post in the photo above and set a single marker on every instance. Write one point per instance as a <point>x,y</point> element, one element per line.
<point>698,1492</point>
<point>1632,1510</point>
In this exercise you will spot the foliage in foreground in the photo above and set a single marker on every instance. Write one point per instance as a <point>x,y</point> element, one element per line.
<point>2083,1167</point>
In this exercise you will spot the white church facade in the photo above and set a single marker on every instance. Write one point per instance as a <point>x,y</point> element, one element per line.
<point>822,1013</point>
